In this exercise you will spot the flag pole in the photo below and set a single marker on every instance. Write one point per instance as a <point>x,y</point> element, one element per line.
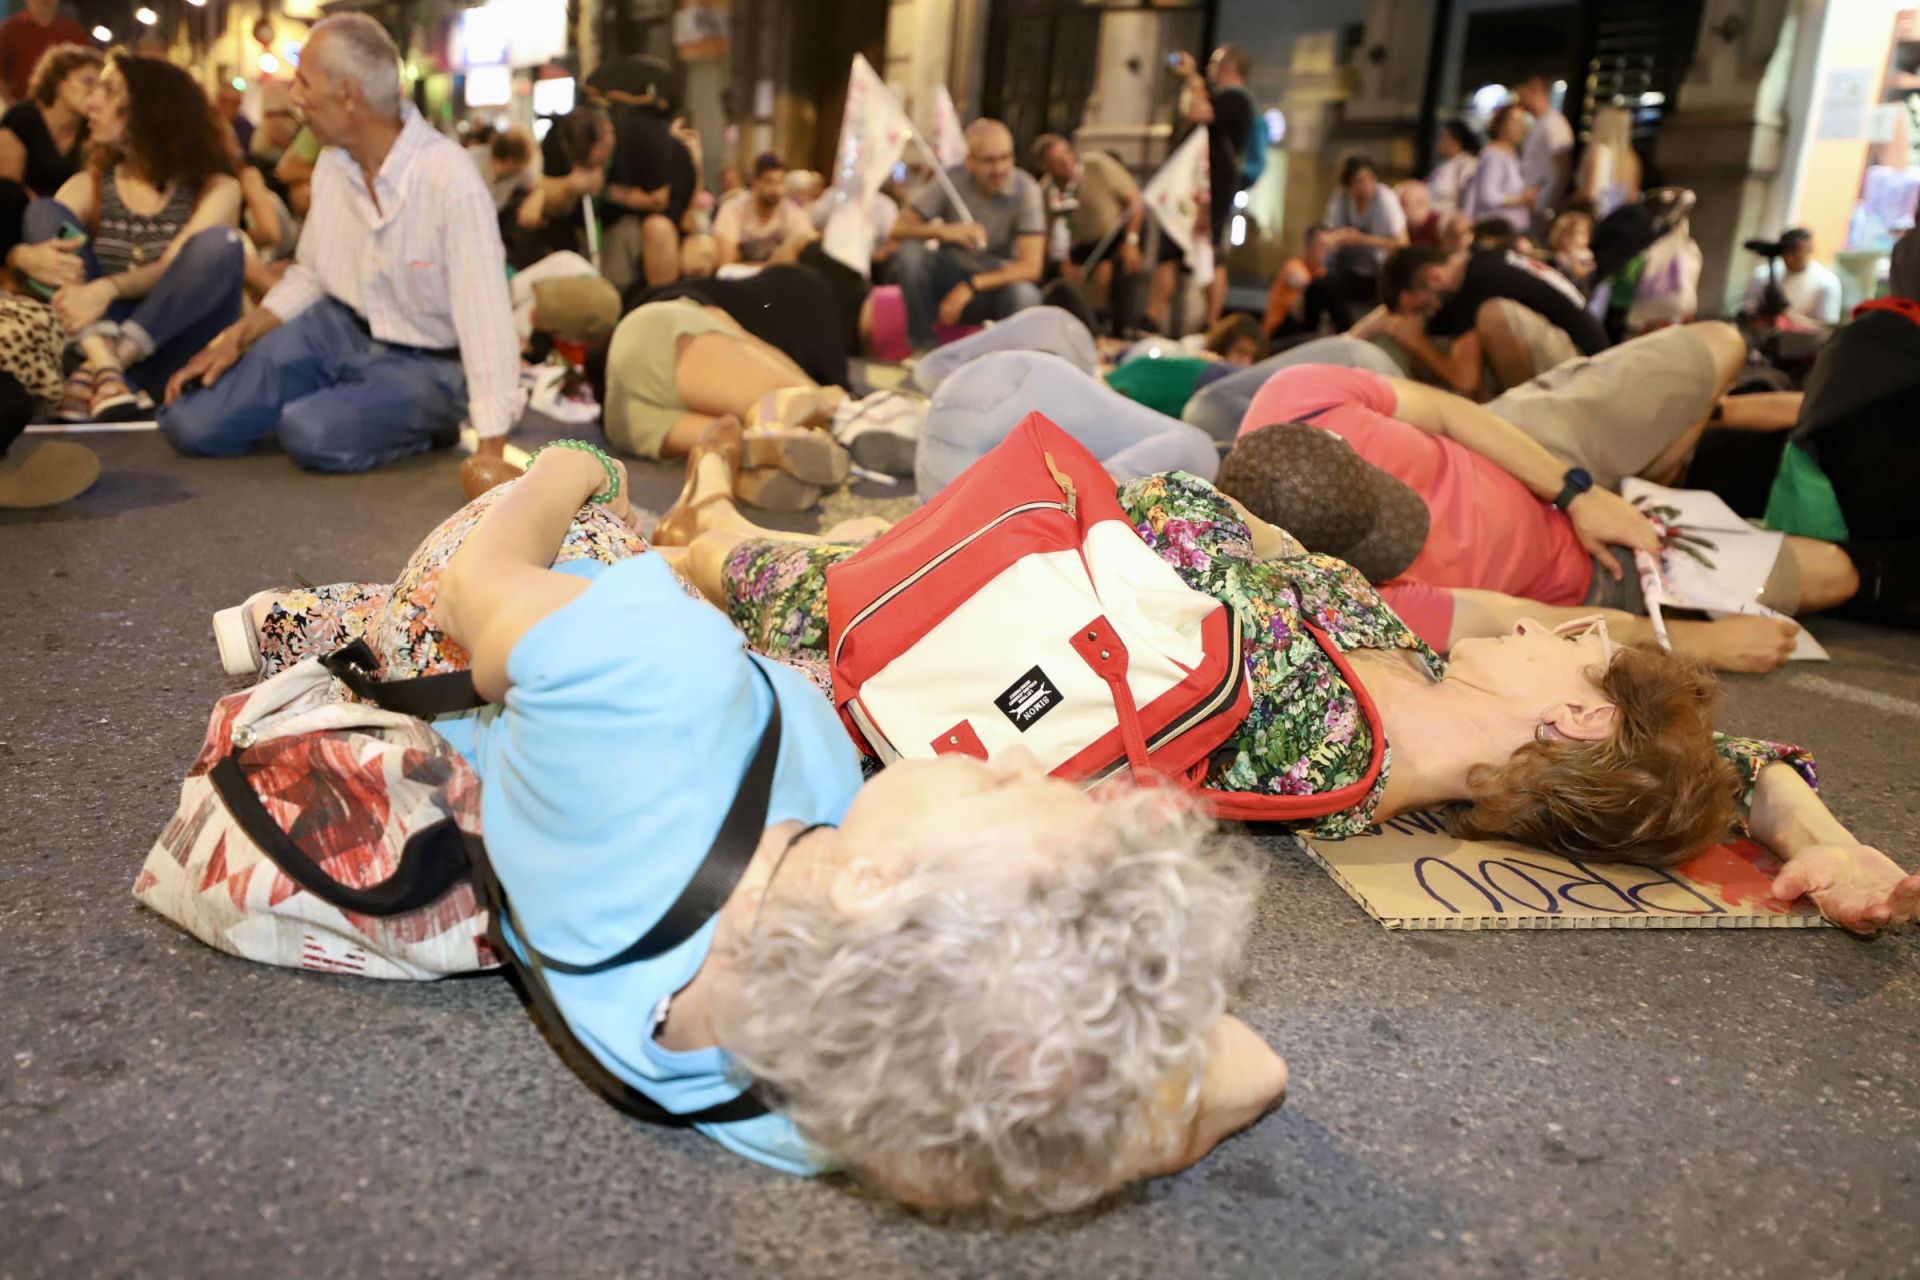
<point>1113,232</point>
<point>940,176</point>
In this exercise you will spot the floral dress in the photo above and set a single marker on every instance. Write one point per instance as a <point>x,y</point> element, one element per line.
<point>396,620</point>
<point>1305,733</point>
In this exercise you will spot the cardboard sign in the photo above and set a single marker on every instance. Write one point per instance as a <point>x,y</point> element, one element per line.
<point>1409,874</point>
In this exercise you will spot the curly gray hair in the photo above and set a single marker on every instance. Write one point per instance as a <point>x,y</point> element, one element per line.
<point>1015,1028</point>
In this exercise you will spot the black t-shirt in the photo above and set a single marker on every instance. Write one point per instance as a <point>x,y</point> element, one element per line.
<point>647,156</point>
<point>47,168</point>
<point>1501,273</point>
<point>1227,139</point>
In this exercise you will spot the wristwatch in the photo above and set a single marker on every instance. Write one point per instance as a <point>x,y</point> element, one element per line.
<point>1577,483</point>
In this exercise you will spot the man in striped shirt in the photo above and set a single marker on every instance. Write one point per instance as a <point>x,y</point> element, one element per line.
<point>394,321</point>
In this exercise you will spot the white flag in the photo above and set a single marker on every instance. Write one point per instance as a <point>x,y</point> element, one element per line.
<point>848,236</point>
<point>873,133</point>
<point>949,137</point>
<point>1177,196</point>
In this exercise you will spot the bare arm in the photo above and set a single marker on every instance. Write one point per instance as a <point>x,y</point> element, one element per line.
<point>638,200</point>
<point>219,207</point>
<point>1738,642</point>
<point>293,168</point>
<point>1600,518</point>
<point>1196,103</point>
<point>1458,366</point>
<point>910,225</point>
<point>500,583</point>
<point>1025,267</point>
<point>1854,885</point>
<point>1493,438</point>
<point>13,156</point>
<point>265,231</point>
<point>1244,1080</point>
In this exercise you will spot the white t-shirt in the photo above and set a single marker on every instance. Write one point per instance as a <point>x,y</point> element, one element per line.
<point>758,238</point>
<point>1549,138</point>
<point>1450,182</point>
<point>1814,293</point>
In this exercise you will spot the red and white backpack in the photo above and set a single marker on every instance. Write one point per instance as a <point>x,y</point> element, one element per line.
<point>1019,608</point>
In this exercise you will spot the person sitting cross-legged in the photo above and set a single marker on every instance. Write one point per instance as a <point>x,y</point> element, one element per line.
<point>394,321</point>
<point>986,266</point>
<point>139,252</point>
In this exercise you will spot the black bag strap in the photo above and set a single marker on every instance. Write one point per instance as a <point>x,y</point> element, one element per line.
<point>718,872</point>
<point>432,862</point>
<point>424,696</point>
<point>532,984</point>
<point>713,882</point>
<point>439,857</point>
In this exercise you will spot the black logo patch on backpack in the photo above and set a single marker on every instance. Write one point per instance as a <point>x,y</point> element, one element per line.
<point>1029,698</point>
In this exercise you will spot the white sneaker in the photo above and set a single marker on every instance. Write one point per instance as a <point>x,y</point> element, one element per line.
<point>236,631</point>
<point>881,431</point>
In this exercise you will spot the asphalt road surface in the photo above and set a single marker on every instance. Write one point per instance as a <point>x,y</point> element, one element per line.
<point>1689,1102</point>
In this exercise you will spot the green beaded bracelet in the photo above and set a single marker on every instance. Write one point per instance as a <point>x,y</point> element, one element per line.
<point>606,495</point>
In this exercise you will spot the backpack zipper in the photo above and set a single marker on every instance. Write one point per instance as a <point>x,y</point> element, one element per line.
<point>942,558</point>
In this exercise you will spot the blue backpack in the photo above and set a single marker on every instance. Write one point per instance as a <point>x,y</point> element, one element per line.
<point>1253,161</point>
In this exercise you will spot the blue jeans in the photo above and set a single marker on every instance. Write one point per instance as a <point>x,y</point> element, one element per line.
<point>981,403</point>
<point>926,276</point>
<point>1218,407</point>
<point>339,400</point>
<point>199,295</point>
<point>1049,329</point>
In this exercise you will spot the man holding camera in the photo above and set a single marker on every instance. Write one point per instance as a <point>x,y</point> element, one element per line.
<point>1809,290</point>
<point>1221,102</point>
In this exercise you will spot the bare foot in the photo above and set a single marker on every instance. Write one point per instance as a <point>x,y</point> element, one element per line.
<point>860,529</point>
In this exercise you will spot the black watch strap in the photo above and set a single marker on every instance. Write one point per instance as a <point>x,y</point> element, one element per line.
<point>1578,481</point>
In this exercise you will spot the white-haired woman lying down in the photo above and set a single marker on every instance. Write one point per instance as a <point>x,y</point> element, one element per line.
<point>973,985</point>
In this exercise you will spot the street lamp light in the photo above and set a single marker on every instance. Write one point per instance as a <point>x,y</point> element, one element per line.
<point>103,35</point>
<point>145,16</point>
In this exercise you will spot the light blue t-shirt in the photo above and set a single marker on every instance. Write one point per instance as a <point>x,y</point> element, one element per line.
<point>630,719</point>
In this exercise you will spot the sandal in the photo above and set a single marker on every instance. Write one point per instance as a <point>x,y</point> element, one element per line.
<point>794,407</point>
<point>681,523</point>
<point>802,452</point>
<point>113,399</point>
<point>76,398</point>
<point>775,490</point>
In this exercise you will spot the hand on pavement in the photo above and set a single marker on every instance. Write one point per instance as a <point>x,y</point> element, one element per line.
<point>1856,886</point>
<point>1602,519</point>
